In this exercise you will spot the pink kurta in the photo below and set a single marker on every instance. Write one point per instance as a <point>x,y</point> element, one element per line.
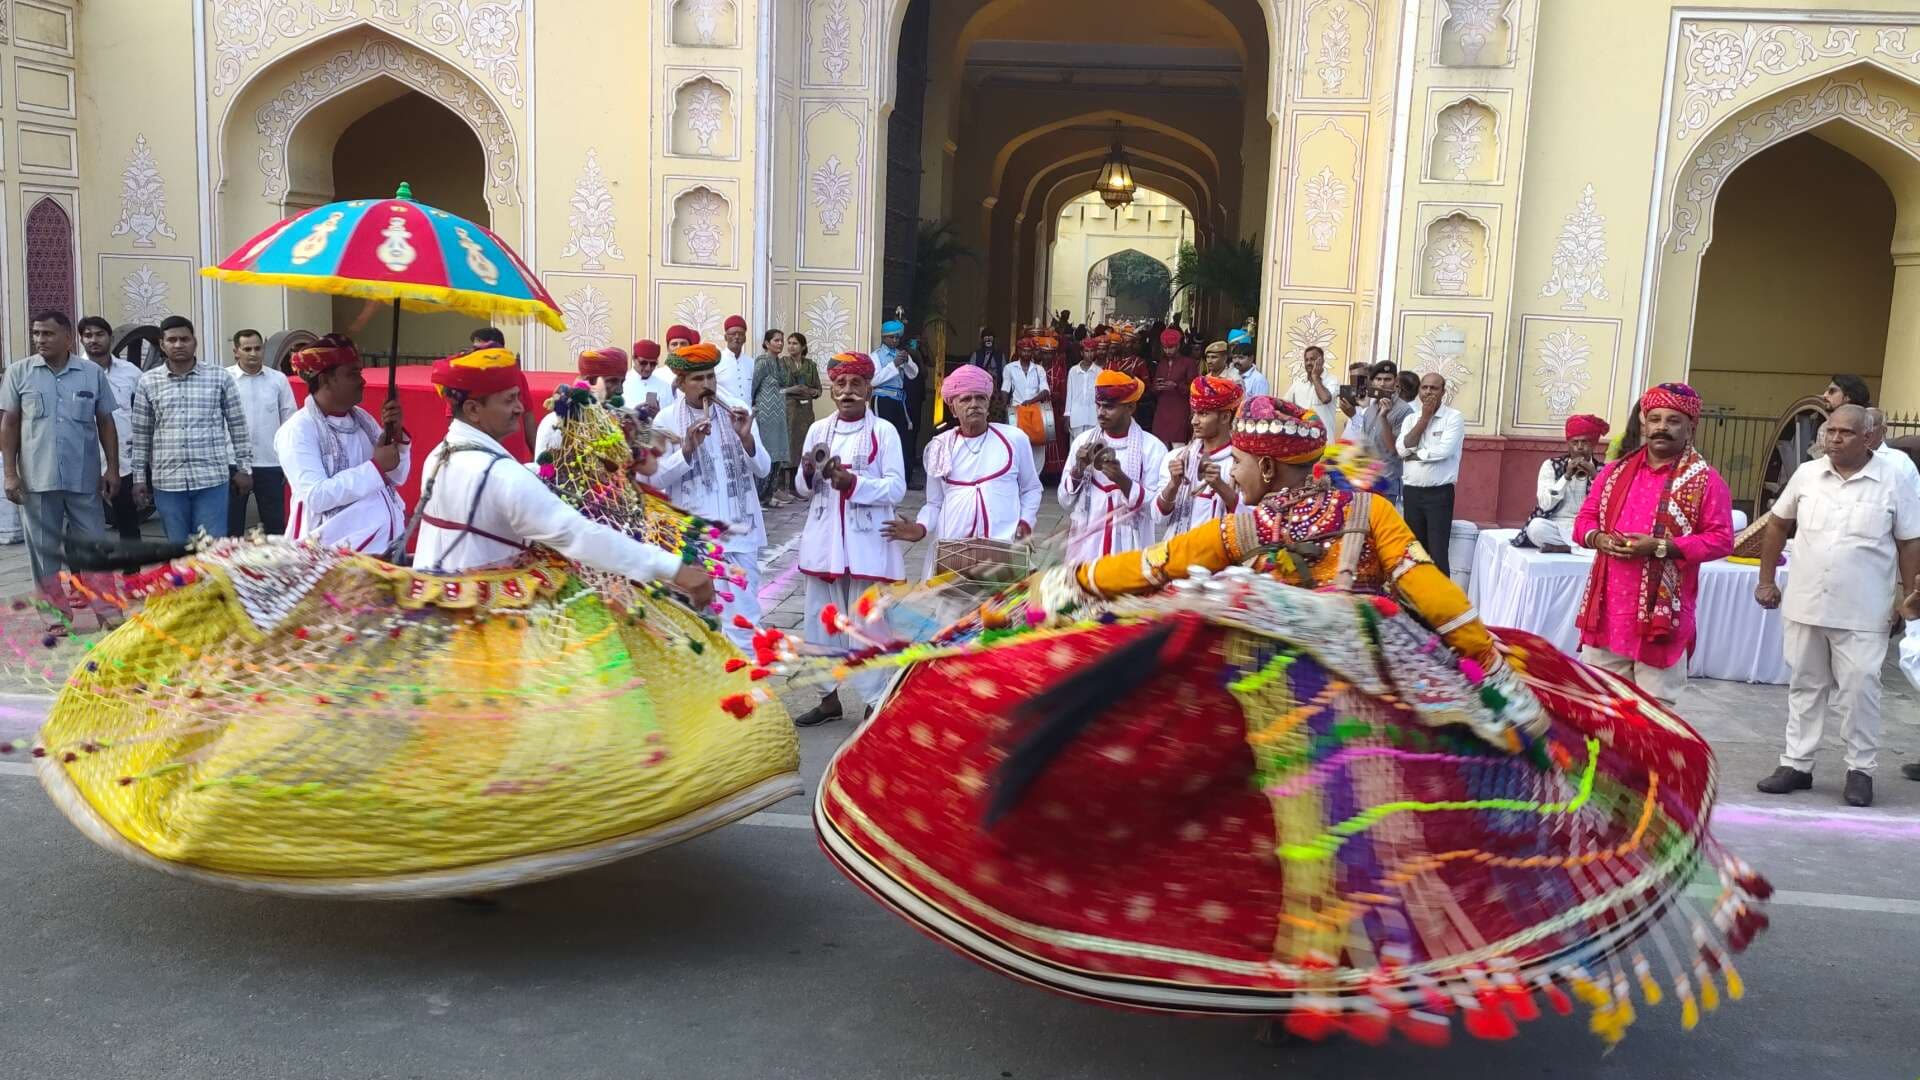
<point>1618,580</point>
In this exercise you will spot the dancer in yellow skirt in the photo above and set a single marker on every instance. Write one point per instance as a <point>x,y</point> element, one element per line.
<point>530,701</point>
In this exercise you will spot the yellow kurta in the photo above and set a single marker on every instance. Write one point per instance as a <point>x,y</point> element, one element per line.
<point>1392,561</point>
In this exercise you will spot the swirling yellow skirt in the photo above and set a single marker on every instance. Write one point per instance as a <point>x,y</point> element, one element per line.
<point>292,721</point>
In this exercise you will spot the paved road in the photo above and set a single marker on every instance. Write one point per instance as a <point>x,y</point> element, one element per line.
<point>744,954</point>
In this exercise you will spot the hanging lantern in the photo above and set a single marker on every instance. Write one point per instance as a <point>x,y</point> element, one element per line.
<point>1115,183</point>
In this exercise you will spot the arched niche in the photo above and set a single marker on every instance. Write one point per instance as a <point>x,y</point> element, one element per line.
<point>276,142</point>
<point>1465,143</point>
<point>1861,109</point>
<point>1475,33</point>
<point>1454,256</point>
<point>704,24</point>
<point>48,245</point>
<point>702,229</point>
<point>703,122</point>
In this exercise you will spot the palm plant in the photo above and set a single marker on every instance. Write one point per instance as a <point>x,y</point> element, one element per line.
<point>1229,271</point>
<point>935,251</point>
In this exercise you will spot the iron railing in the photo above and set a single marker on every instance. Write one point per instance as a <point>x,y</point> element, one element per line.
<point>1740,448</point>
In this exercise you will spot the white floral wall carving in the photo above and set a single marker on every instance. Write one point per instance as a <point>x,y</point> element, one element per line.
<point>1719,62</point>
<point>373,58</point>
<point>1326,204</point>
<point>589,316</point>
<point>836,41</point>
<point>486,35</point>
<point>832,188</point>
<point>1441,351</point>
<point>1309,331</point>
<point>1897,119</point>
<point>700,311</point>
<point>244,30</point>
<point>143,296</point>
<point>591,218</point>
<point>701,215</point>
<point>1464,140</point>
<point>143,198</point>
<point>1561,374</point>
<point>702,105</point>
<point>829,325</point>
<point>1454,247</point>
<point>1579,257</point>
<point>1471,24</point>
<point>703,18</point>
<point>1336,51</point>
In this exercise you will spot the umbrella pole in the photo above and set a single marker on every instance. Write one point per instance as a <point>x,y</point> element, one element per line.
<point>393,365</point>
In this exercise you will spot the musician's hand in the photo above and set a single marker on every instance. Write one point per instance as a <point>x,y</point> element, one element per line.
<point>743,423</point>
<point>904,528</point>
<point>1111,467</point>
<point>390,414</point>
<point>693,580</point>
<point>696,434</point>
<point>1210,475</point>
<point>386,456</point>
<point>1177,469</point>
<point>1024,530</point>
<point>843,479</point>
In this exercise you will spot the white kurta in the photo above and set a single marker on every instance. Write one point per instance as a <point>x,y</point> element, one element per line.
<point>659,384</point>
<point>1023,382</point>
<point>842,534</point>
<point>355,507</point>
<point>1197,502</point>
<point>1081,408</point>
<point>547,436</point>
<point>1562,497</point>
<point>685,486</point>
<point>979,488</point>
<point>468,527</point>
<point>733,375</point>
<point>1102,520</point>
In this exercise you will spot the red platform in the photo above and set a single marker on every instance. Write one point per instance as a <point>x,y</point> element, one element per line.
<point>425,414</point>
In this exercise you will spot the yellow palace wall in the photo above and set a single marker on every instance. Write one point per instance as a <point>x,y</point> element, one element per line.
<point>1515,192</point>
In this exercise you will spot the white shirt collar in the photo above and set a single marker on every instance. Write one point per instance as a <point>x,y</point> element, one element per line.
<point>473,436</point>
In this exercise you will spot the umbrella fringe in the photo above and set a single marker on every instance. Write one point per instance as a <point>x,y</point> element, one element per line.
<point>413,297</point>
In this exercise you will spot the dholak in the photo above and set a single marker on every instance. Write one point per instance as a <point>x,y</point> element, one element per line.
<point>983,562</point>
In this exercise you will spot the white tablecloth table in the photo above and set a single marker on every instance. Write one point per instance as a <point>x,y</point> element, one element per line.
<point>1734,638</point>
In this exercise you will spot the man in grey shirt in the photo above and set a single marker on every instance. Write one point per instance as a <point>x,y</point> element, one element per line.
<point>1377,422</point>
<point>56,431</point>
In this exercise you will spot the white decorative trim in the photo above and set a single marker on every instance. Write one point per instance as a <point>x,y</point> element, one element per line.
<point>1449,364</point>
<point>143,198</point>
<point>699,310</point>
<point>831,188</point>
<point>704,232</point>
<point>829,326</point>
<point>1561,374</point>
<point>591,220</point>
<point>1396,178</point>
<point>1326,202</point>
<point>1569,364</point>
<point>1309,331</point>
<point>589,316</point>
<point>1434,354</point>
<point>1718,62</point>
<point>374,58</point>
<point>486,35</point>
<point>836,42</point>
<point>245,30</point>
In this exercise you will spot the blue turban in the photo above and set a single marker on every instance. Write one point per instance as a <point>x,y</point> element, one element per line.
<point>1239,337</point>
<point>892,326</point>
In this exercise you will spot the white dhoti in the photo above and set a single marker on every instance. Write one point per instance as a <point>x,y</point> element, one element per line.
<point>842,593</point>
<point>1550,532</point>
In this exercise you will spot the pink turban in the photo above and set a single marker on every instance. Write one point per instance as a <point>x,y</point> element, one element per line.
<point>1672,395</point>
<point>966,379</point>
<point>1169,338</point>
<point>1586,426</point>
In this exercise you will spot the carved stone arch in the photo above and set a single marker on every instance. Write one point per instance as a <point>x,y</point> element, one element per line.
<point>1864,109</point>
<point>703,24</point>
<point>703,117</point>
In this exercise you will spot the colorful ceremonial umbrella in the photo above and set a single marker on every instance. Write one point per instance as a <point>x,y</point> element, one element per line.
<point>421,258</point>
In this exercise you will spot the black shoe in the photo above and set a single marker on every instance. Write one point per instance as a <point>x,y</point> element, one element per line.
<point>827,711</point>
<point>1786,779</point>
<point>1859,789</point>
<point>1911,772</point>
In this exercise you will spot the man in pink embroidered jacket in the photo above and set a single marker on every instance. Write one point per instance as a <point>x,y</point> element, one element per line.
<point>981,479</point>
<point>851,495</point>
<point>1653,516</point>
<point>342,468</point>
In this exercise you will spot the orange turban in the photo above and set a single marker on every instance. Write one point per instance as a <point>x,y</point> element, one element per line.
<point>479,373</point>
<point>1211,393</point>
<point>694,359</point>
<point>1114,387</point>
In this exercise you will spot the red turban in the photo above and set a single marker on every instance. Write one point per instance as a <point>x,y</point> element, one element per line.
<point>606,363</point>
<point>1210,393</point>
<point>688,334</point>
<point>646,349</point>
<point>850,364</point>
<point>331,351</point>
<point>480,373</point>
<point>966,379</point>
<point>1672,395</point>
<point>1115,387</point>
<point>1280,430</point>
<point>1170,338</point>
<point>734,322</point>
<point>1585,426</point>
<point>694,359</point>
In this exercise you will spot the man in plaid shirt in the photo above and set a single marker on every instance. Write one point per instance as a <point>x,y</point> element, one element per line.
<point>187,426</point>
